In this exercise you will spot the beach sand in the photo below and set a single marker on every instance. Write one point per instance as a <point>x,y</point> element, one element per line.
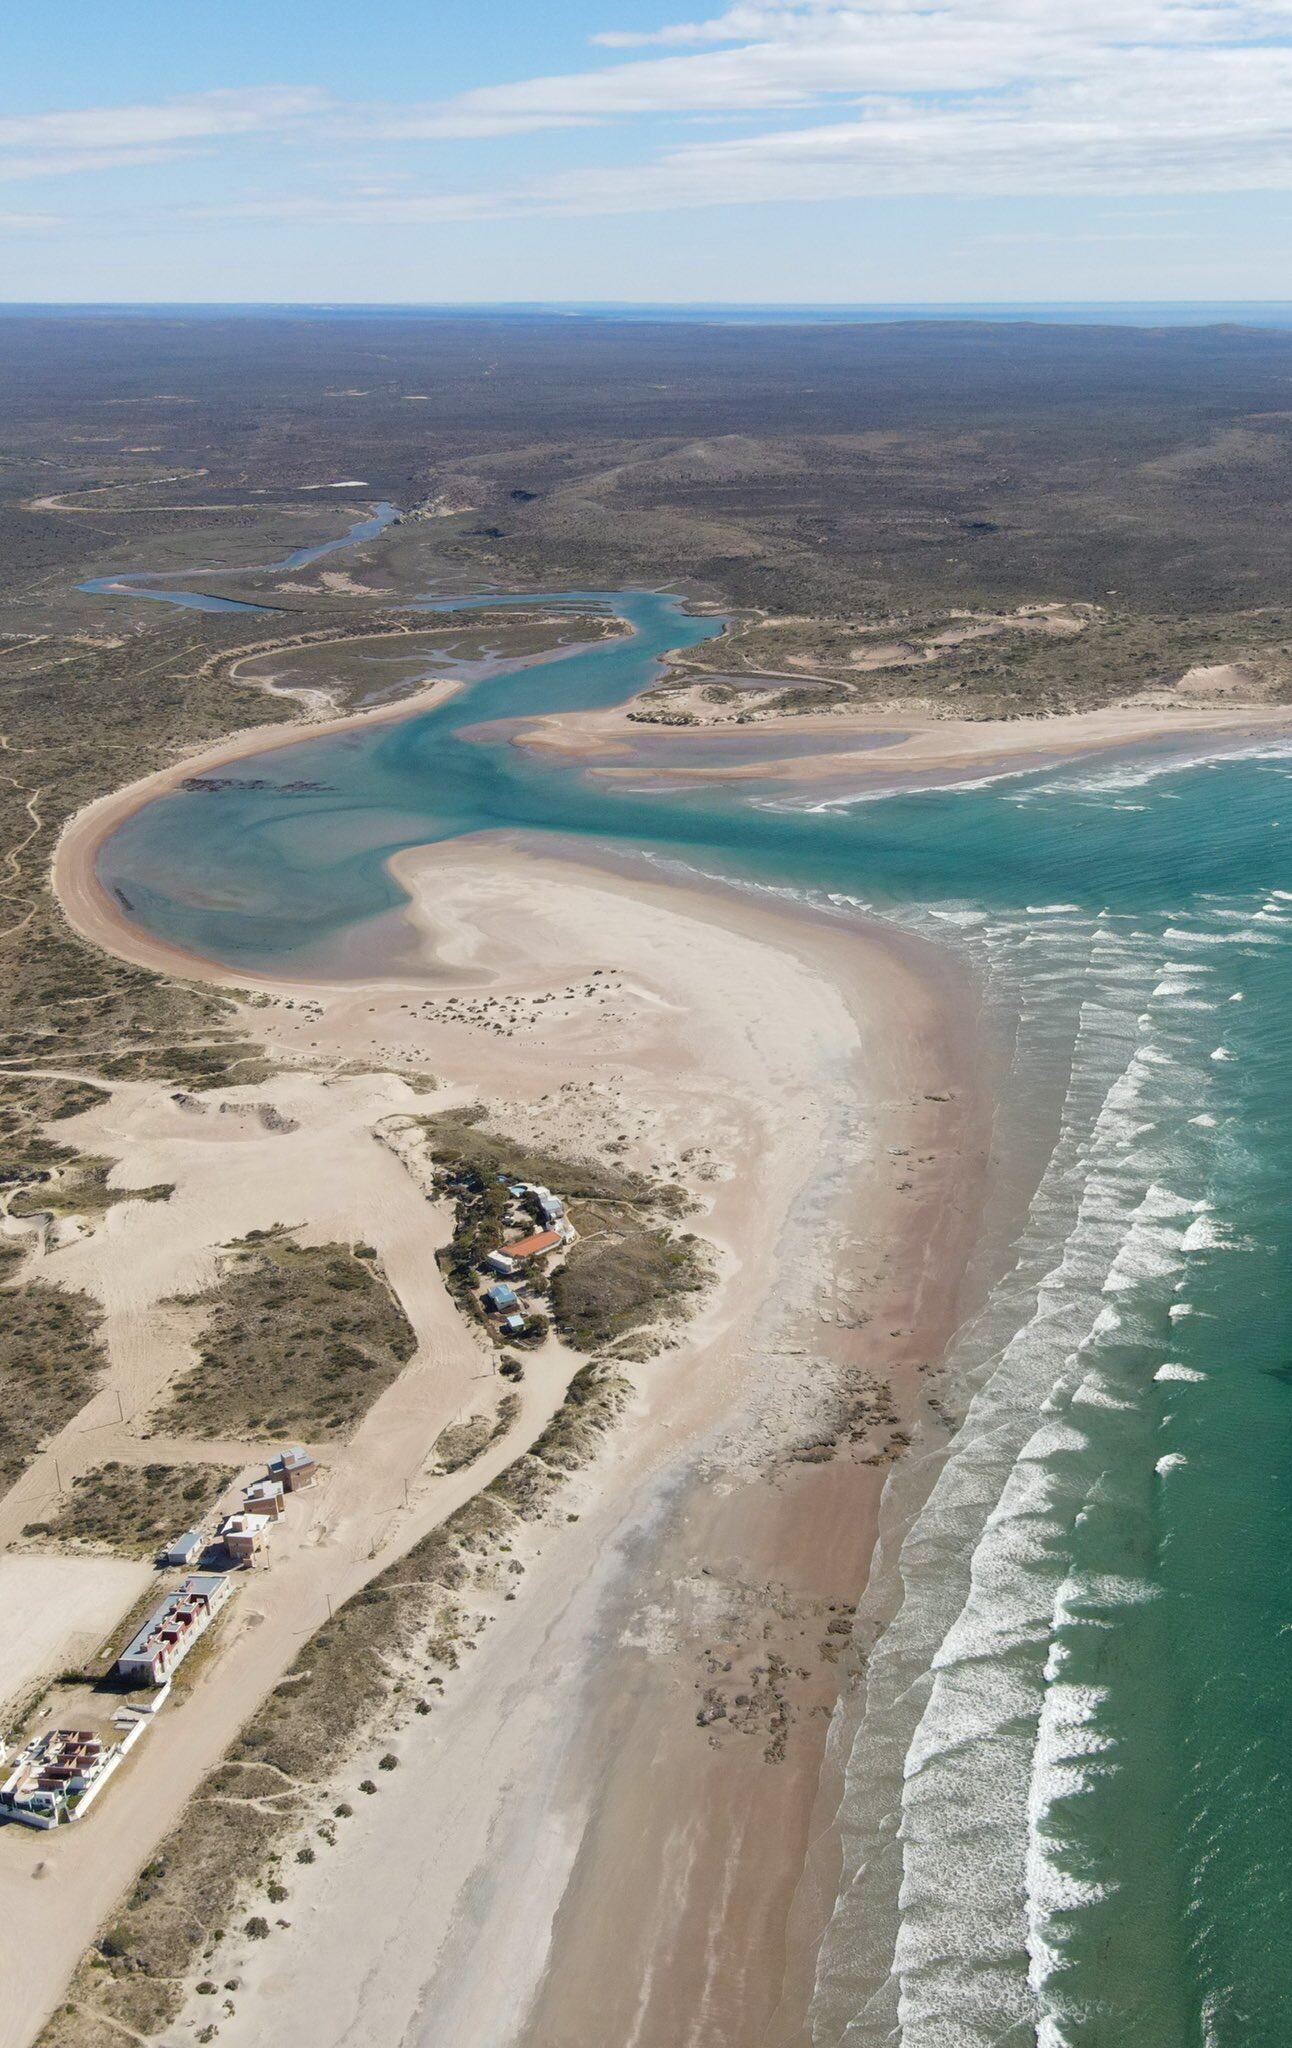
<point>900,744</point>
<point>53,1609</point>
<point>605,1832</point>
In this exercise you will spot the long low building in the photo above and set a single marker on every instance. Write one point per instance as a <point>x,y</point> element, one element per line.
<point>535,1246</point>
<point>172,1628</point>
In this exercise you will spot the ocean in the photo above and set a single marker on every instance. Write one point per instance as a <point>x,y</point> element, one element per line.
<point>1067,1790</point>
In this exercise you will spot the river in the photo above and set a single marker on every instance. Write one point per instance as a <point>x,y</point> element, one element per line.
<point>1068,1805</point>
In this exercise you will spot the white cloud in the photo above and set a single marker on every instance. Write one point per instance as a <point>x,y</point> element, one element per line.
<point>461,123</point>
<point>62,163</point>
<point>736,25</point>
<point>804,52</point>
<point>29,223</point>
<point>1151,120</point>
<point>845,98</point>
<point>101,138</point>
<point>775,100</point>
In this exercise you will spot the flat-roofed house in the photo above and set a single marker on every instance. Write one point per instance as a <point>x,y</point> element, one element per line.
<point>184,1548</point>
<point>57,1776</point>
<point>293,1469</point>
<point>243,1536</point>
<point>172,1628</point>
<point>264,1497</point>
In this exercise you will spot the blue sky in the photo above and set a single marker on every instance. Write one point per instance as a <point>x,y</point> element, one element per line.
<point>771,150</point>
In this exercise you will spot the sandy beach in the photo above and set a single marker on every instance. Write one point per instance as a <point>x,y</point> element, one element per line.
<point>634,1765</point>
<point>632,1762</point>
<point>87,905</point>
<point>903,744</point>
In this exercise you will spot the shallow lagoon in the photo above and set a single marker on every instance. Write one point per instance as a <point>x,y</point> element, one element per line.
<point>1090,1676</point>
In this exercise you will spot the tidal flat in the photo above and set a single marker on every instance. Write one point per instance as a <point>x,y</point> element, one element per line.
<point>972,1090</point>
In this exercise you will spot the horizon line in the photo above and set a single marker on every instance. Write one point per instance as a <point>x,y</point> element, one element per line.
<point>628,305</point>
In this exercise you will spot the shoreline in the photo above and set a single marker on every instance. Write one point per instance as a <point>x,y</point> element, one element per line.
<point>73,873</point>
<point>733,1889</point>
<point>710,1488</point>
<point>939,748</point>
<point>744,1940</point>
<point>896,743</point>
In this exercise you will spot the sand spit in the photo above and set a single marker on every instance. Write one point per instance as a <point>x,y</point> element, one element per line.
<point>629,1765</point>
<point>899,745</point>
<point>605,1829</point>
<point>638,1742</point>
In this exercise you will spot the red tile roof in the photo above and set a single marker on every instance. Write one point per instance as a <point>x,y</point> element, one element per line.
<point>530,1247</point>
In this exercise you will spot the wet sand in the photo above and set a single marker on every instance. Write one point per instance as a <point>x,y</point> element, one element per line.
<point>629,1855</point>
<point>93,911</point>
<point>867,750</point>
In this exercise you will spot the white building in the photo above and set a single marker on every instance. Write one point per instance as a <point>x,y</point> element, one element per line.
<point>59,1773</point>
<point>243,1536</point>
<point>172,1629</point>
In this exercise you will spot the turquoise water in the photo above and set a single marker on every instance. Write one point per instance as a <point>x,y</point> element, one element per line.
<point>1068,1805</point>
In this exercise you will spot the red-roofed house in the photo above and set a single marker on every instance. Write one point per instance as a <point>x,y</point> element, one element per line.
<point>534,1247</point>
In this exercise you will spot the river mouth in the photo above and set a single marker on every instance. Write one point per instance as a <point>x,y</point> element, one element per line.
<point>1088,1673</point>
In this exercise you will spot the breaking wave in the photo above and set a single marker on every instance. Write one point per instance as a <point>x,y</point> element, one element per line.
<point>1018,1583</point>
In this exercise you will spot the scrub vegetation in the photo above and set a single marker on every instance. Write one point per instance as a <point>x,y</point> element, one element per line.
<point>612,1286</point>
<point>463,1442</point>
<point>299,1341</point>
<point>51,1362</point>
<point>133,1508</point>
<point>361,1674</point>
<point>628,1271</point>
<point>41,1176</point>
<point>976,664</point>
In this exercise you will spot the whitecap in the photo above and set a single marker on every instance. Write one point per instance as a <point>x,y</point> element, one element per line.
<point>1205,1234</point>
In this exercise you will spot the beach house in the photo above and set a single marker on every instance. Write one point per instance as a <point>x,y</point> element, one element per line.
<point>58,1774</point>
<point>172,1628</point>
<point>293,1469</point>
<point>265,1497</point>
<point>243,1536</point>
<point>536,1246</point>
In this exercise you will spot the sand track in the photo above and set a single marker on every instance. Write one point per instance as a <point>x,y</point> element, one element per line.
<point>772,1052</point>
